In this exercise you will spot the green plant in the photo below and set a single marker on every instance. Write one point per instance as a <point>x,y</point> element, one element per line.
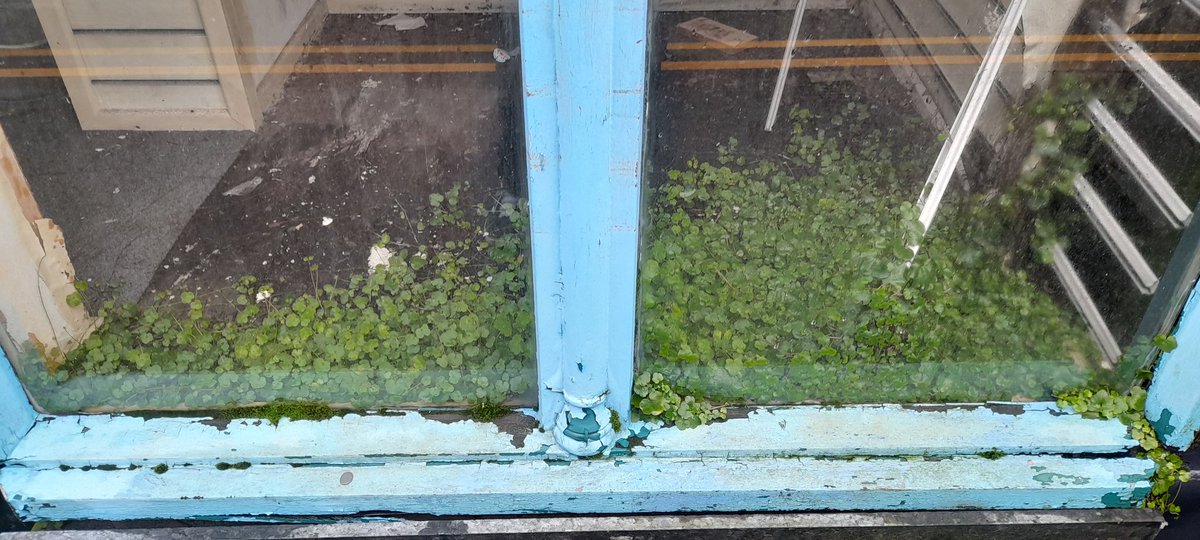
<point>277,410</point>
<point>161,468</point>
<point>615,419</point>
<point>240,466</point>
<point>487,411</point>
<point>655,398</point>
<point>993,454</point>
<point>449,319</point>
<point>787,280</point>
<point>1129,409</point>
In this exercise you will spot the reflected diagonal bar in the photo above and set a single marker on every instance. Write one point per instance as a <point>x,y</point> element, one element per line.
<point>1114,235</point>
<point>964,124</point>
<point>785,65</point>
<point>1173,97</point>
<point>1149,179</point>
<point>1082,299</point>
<point>1193,5</point>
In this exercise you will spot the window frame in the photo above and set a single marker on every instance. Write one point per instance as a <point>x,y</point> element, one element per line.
<point>584,170</point>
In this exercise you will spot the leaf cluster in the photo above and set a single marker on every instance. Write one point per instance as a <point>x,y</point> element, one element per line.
<point>787,280</point>
<point>655,398</point>
<point>447,320</point>
<point>1129,409</point>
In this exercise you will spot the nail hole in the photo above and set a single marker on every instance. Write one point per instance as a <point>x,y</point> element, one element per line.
<point>346,478</point>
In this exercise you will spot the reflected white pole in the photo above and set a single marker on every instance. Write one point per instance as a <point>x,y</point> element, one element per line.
<point>964,124</point>
<point>785,65</point>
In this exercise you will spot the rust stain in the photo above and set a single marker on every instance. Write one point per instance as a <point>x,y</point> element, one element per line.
<point>20,186</point>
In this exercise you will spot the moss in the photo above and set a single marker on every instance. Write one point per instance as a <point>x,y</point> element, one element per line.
<point>616,422</point>
<point>993,454</point>
<point>487,411</point>
<point>161,468</point>
<point>241,466</point>
<point>277,410</point>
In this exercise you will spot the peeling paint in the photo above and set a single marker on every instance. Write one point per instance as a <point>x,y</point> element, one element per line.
<point>1048,478</point>
<point>222,424</point>
<point>897,430</point>
<point>578,486</point>
<point>1173,399</point>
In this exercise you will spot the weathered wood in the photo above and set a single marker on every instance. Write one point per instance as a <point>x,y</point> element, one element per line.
<point>610,486</point>
<point>35,319</point>
<point>813,431</point>
<point>237,85</point>
<point>135,49</point>
<point>60,35</point>
<point>141,55</point>
<point>133,14</point>
<point>161,96</point>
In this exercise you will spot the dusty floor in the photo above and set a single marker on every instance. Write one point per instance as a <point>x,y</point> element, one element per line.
<point>694,110</point>
<point>147,211</point>
<point>122,198</point>
<point>345,158</point>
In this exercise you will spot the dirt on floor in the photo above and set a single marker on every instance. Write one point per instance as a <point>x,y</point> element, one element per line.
<point>344,158</point>
<point>694,110</point>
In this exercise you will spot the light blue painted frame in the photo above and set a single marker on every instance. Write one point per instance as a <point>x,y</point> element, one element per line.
<point>584,66</point>
<point>1173,400</point>
<point>17,414</point>
<point>584,116</point>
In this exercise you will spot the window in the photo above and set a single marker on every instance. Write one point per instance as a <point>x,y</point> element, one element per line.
<point>610,216</point>
<point>271,202</point>
<point>921,202</point>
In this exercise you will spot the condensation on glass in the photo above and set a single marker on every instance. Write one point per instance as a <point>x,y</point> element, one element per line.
<point>917,200</point>
<point>268,201</point>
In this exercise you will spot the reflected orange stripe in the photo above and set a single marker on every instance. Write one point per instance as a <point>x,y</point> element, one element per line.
<point>874,61</point>
<point>947,40</point>
<point>315,69</point>
<point>310,49</point>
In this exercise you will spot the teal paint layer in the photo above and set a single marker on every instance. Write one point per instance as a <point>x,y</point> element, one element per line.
<point>632,485</point>
<point>790,458</point>
<point>811,431</point>
<point>16,414</point>
<point>889,430</point>
<point>1173,401</point>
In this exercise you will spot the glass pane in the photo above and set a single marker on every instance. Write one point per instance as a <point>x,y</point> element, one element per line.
<point>778,265</point>
<point>267,202</point>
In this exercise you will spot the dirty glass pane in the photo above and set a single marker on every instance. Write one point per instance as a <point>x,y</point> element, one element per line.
<point>794,264</point>
<point>266,201</point>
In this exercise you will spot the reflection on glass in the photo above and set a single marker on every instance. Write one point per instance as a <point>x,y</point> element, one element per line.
<point>792,265</point>
<point>279,205</point>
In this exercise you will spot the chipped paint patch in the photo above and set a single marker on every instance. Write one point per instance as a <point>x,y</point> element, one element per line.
<point>575,486</point>
<point>888,430</point>
<point>1048,478</point>
<point>354,438</point>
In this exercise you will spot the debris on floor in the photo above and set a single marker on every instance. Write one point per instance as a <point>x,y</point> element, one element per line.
<point>503,56</point>
<point>380,256</point>
<point>710,30</point>
<point>244,188</point>
<point>403,22</point>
